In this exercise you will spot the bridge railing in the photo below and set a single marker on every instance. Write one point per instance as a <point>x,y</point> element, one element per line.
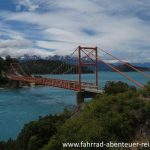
<point>88,85</point>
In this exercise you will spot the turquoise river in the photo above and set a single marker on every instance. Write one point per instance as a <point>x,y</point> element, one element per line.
<point>19,106</point>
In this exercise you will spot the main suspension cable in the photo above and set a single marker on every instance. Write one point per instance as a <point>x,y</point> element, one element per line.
<point>127,64</point>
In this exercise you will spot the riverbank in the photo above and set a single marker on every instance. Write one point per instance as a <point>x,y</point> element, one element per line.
<point>8,84</point>
<point>119,117</point>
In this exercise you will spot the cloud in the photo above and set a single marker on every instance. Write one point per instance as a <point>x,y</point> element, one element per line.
<point>27,4</point>
<point>17,48</point>
<point>14,43</point>
<point>20,52</point>
<point>120,26</point>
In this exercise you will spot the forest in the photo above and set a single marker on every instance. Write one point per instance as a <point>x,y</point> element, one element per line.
<point>37,67</point>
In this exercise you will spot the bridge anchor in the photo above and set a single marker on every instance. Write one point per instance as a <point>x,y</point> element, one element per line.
<point>14,84</point>
<point>80,96</point>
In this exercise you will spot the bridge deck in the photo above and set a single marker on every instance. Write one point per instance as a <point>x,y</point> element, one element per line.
<point>66,84</point>
<point>97,91</point>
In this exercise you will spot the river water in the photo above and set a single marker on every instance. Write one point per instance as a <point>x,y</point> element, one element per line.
<point>19,106</point>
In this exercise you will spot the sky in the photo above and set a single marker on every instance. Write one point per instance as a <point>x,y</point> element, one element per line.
<point>49,27</point>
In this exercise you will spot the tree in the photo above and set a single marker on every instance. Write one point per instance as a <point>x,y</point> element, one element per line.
<point>112,87</point>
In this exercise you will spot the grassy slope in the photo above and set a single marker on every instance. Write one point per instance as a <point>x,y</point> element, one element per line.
<point>107,118</point>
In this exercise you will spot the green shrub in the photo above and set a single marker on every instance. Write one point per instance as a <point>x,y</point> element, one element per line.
<point>146,91</point>
<point>112,87</point>
<point>36,134</point>
<point>107,118</point>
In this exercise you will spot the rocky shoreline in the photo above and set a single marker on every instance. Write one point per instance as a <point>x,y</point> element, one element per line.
<point>8,84</point>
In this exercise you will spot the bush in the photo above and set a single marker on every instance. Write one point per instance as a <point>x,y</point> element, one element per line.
<point>146,91</point>
<point>36,134</point>
<point>107,118</point>
<point>112,87</point>
<point>3,80</point>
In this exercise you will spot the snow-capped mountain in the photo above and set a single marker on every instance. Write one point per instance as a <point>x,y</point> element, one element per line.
<point>29,58</point>
<point>72,60</point>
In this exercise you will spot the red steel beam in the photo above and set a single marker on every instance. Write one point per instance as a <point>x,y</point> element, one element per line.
<point>95,60</point>
<point>79,67</point>
<point>94,48</point>
<point>66,84</point>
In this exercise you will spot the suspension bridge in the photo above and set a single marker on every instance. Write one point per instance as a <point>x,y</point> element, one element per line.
<point>86,57</point>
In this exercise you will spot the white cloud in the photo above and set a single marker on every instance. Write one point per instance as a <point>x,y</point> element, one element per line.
<point>117,24</point>
<point>15,52</point>
<point>14,43</point>
<point>28,4</point>
<point>17,48</point>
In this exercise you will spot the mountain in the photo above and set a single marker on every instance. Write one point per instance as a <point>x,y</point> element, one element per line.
<point>72,60</point>
<point>50,67</point>
<point>146,64</point>
<point>103,67</point>
<point>126,68</point>
<point>26,57</point>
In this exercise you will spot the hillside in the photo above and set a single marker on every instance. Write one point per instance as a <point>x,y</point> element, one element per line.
<point>101,65</point>
<point>122,67</point>
<point>4,66</point>
<point>35,67</point>
<point>48,66</point>
<point>126,68</point>
<point>40,66</point>
<point>145,64</point>
<point>120,116</point>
